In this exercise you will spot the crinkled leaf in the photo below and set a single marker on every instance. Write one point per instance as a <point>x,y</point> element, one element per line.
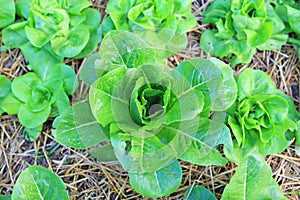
<point>39,183</point>
<point>73,44</point>
<point>158,183</point>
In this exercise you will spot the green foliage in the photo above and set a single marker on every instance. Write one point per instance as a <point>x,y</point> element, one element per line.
<point>7,12</point>
<point>261,118</point>
<point>72,125</point>
<point>39,183</point>
<point>241,27</point>
<point>252,180</point>
<point>34,99</point>
<point>289,12</point>
<point>153,120</point>
<point>119,48</point>
<point>64,28</point>
<point>198,192</point>
<point>4,90</point>
<point>163,23</point>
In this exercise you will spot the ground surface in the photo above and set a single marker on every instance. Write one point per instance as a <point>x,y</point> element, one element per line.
<point>88,179</point>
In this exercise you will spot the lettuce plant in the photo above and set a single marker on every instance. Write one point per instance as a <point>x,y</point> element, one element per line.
<point>153,120</point>
<point>64,28</point>
<point>242,26</point>
<point>163,23</point>
<point>5,89</point>
<point>34,99</point>
<point>150,115</point>
<point>262,119</point>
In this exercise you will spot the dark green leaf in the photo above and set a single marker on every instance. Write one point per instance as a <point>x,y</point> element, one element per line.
<point>7,12</point>
<point>198,192</point>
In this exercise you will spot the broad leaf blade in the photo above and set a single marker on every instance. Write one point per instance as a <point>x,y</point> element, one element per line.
<point>158,183</point>
<point>252,181</point>
<point>76,127</point>
<point>39,183</point>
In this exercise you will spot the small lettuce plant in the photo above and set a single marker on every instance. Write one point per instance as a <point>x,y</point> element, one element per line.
<point>64,28</point>
<point>161,23</point>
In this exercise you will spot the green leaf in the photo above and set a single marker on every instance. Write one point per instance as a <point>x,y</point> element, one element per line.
<point>14,36</point>
<point>39,183</point>
<point>5,197</point>
<point>254,82</point>
<point>32,133</point>
<point>73,44</point>
<point>7,12</point>
<point>293,19</point>
<point>91,70</point>
<point>31,119</point>
<point>23,8</point>
<point>203,150</point>
<point>4,87</point>
<point>158,183</point>
<point>10,104</point>
<point>253,174</point>
<point>36,37</point>
<point>69,78</point>
<point>76,127</point>
<point>198,192</point>
<point>104,153</point>
<point>100,94</point>
<point>22,86</point>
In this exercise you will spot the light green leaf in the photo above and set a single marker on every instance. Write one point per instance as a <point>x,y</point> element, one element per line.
<point>203,150</point>
<point>198,192</point>
<point>7,12</point>
<point>39,183</point>
<point>254,82</point>
<point>10,104</point>
<point>76,127</point>
<point>73,44</point>
<point>36,37</point>
<point>158,183</point>
<point>253,174</point>
<point>22,85</point>
<point>31,119</point>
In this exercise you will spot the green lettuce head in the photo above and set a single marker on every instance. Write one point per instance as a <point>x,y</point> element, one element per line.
<point>63,27</point>
<point>160,22</point>
<point>263,118</point>
<point>242,26</point>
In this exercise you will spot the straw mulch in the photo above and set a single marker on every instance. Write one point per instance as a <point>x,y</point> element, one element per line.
<point>88,179</point>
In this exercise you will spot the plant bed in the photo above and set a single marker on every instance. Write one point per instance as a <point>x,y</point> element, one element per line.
<point>86,178</point>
